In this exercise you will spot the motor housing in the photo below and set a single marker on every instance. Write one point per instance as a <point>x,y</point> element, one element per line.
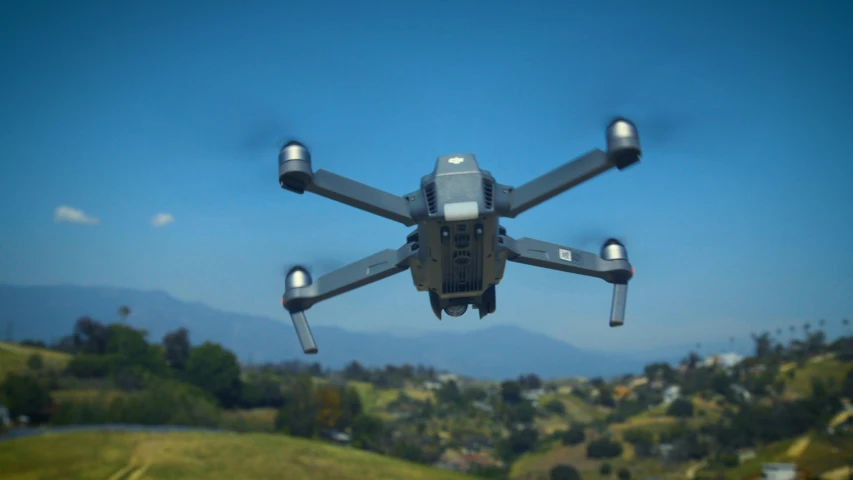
<point>623,143</point>
<point>294,167</point>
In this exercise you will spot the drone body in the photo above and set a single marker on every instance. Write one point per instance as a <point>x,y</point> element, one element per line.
<point>459,250</point>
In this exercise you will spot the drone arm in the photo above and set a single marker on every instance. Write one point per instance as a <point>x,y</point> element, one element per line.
<point>557,181</point>
<point>617,271</point>
<point>358,195</point>
<point>376,267</point>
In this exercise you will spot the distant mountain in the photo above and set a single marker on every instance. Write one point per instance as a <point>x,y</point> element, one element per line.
<point>49,312</point>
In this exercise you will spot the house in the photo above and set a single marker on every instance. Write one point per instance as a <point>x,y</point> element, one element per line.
<point>432,385</point>
<point>483,407</point>
<point>778,471</point>
<point>533,395</point>
<point>671,394</point>
<point>448,377</point>
<point>729,360</point>
<point>638,382</point>
<point>620,392</point>
<point>741,392</point>
<point>5,419</point>
<point>745,454</point>
<point>337,436</point>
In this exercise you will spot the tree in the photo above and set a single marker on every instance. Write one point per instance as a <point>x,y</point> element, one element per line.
<point>510,392</point>
<point>529,382</point>
<point>329,406</point>
<point>298,413</point>
<point>624,474</point>
<point>35,362</point>
<point>681,407</point>
<point>449,393</point>
<point>350,407</point>
<point>763,345</point>
<point>367,432</point>
<point>845,322</point>
<point>124,312</point>
<point>215,369</point>
<point>90,336</point>
<point>605,469</point>
<point>564,472</point>
<point>603,448</point>
<point>573,436</point>
<point>556,407</point>
<point>26,396</point>
<point>177,345</point>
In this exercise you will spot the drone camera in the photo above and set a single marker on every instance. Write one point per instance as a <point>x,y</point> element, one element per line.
<point>623,143</point>
<point>294,167</point>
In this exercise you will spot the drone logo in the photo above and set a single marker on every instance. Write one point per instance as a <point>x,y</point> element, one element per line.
<point>455,160</point>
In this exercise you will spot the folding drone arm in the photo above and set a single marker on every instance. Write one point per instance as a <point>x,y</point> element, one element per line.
<point>301,292</point>
<point>295,174</point>
<point>613,266</point>
<point>623,150</point>
<point>557,181</point>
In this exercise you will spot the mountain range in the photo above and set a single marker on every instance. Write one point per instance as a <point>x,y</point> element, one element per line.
<point>48,312</point>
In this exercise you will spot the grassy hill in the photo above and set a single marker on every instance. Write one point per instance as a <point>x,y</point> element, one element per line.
<point>13,358</point>
<point>226,456</point>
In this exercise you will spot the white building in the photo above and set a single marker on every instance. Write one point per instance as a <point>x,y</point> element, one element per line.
<point>729,360</point>
<point>778,471</point>
<point>671,394</point>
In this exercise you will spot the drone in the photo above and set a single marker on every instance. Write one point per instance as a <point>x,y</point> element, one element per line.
<point>459,250</point>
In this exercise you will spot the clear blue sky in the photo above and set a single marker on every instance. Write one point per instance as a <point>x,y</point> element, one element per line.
<point>739,217</point>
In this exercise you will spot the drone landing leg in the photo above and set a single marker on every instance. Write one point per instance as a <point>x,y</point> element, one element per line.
<point>301,292</point>
<point>616,269</point>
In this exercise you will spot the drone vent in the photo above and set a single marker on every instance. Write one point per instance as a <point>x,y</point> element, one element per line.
<point>461,265</point>
<point>429,192</point>
<point>488,194</point>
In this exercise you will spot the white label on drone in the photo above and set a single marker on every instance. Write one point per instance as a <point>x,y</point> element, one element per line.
<point>454,212</point>
<point>455,160</point>
<point>565,255</point>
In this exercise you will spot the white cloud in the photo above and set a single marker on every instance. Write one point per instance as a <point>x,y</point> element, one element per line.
<point>68,214</point>
<point>162,219</point>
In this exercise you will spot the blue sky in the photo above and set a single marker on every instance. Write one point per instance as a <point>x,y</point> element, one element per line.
<point>736,220</point>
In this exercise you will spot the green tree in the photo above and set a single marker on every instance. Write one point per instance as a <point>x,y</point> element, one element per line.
<point>216,370</point>
<point>624,474</point>
<point>556,407</point>
<point>681,407</point>
<point>510,392</point>
<point>603,448</point>
<point>367,432</point>
<point>449,393</point>
<point>177,346</point>
<point>298,414</point>
<point>350,407</point>
<point>26,396</point>
<point>35,362</point>
<point>573,436</point>
<point>564,472</point>
<point>605,469</point>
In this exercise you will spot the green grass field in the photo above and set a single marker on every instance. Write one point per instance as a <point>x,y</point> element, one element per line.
<point>827,369</point>
<point>13,358</point>
<point>175,456</point>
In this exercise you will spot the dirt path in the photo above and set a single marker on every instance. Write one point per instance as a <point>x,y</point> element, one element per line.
<point>132,471</point>
<point>842,473</point>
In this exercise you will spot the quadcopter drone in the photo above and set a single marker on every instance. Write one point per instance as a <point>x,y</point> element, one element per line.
<point>459,250</point>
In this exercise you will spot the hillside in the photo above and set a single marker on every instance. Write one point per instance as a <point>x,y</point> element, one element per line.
<point>47,312</point>
<point>13,358</point>
<point>143,456</point>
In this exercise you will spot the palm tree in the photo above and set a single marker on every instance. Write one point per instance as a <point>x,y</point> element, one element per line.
<point>123,312</point>
<point>806,327</point>
<point>845,322</point>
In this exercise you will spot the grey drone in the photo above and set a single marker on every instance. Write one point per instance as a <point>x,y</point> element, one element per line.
<point>459,250</point>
